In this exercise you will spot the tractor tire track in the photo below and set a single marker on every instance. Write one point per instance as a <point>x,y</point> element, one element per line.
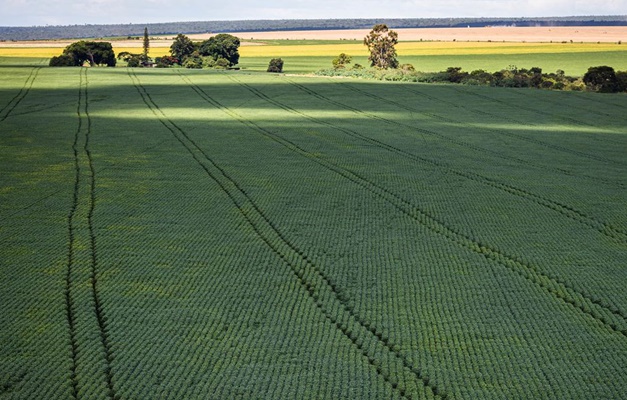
<point>17,99</point>
<point>80,224</point>
<point>69,302</point>
<point>607,229</point>
<point>606,314</point>
<point>100,317</point>
<point>320,288</point>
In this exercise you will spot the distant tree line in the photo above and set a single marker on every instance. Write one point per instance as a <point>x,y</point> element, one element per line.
<point>170,28</point>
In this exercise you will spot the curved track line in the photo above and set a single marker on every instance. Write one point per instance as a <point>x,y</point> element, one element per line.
<point>611,317</point>
<point>571,212</point>
<point>320,288</point>
<point>15,101</point>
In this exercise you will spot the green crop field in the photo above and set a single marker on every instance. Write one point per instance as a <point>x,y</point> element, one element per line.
<point>183,234</point>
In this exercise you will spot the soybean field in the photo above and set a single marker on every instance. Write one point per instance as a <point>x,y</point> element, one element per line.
<point>181,234</point>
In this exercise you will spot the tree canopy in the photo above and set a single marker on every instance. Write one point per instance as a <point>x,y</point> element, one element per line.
<point>601,79</point>
<point>77,53</point>
<point>182,47</point>
<point>381,42</point>
<point>219,46</point>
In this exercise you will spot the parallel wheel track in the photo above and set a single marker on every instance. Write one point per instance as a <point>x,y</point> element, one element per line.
<point>17,99</point>
<point>83,133</point>
<point>571,212</point>
<point>610,316</point>
<point>321,288</point>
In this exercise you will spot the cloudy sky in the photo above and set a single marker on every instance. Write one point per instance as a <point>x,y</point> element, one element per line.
<point>69,12</point>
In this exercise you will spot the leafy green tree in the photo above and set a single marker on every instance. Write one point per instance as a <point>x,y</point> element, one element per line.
<point>132,60</point>
<point>223,46</point>
<point>381,42</point>
<point>96,53</point>
<point>146,46</point>
<point>182,47</point>
<point>275,65</point>
<point>193,61</point>
<point>601,79</point>
<point>341,61</point>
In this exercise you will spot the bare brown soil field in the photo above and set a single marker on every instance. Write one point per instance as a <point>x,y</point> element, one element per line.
<point>508,34</point>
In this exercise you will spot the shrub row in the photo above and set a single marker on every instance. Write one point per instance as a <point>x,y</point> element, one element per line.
<point>597,79</point>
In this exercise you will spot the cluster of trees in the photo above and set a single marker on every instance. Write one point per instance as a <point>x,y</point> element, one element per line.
<point>219,51</point>
<point>78,53</point>
<point>138,60</point>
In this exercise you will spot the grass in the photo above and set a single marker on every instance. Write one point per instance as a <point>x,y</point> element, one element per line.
<point>195,234</point>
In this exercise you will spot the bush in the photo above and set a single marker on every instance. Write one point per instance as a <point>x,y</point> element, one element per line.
<point>621,80</point>
<point>166,61</point>
<point>275,65</point>
<point>64,60</point>
<point>222,63</point>
<point>341,61</point>
<point>601,79</point>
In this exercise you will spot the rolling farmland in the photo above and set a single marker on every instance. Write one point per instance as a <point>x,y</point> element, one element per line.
<point>193,234</point>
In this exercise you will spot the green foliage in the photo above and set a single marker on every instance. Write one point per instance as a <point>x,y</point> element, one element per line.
<point>182,47</point>
<point>166,61</point>
<point>275,65</point>
<point>221,46</point>
<point>380,42</point>
<point>601,79</point>
<point>340,61</point>
<point>509,77</point>
<point>621,80</point>
<point>193,61</point>
<point>64,60</point>
<point>145,46</point>
<point>95,53</point>
<point>132,60</point>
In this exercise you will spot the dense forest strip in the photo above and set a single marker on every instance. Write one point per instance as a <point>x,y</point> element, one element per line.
<point>598,309</point>
<point>17,99</point>
<point>318,285</point>
<point>603,227</point>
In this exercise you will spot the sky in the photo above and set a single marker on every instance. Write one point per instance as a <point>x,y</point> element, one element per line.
<point>78,12</point>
